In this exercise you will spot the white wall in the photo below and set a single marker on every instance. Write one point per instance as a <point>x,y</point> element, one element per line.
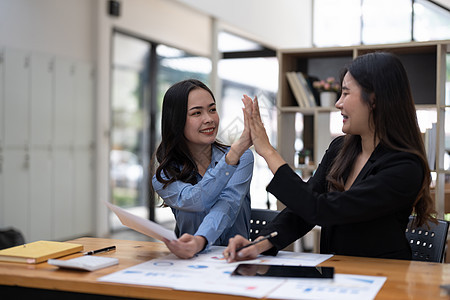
<point>166,22</point>
<point>61,27</point>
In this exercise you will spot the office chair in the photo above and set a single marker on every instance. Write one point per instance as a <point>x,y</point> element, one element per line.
<point>428,244</point>
<point>258,219</point>
<point>10,237</point>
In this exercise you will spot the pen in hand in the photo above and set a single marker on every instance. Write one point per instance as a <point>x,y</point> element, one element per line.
<point>107,249</point>
<point>258,241</point>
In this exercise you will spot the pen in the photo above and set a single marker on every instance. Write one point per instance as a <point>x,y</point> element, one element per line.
<point>110,248</point>
<point>258,241</point>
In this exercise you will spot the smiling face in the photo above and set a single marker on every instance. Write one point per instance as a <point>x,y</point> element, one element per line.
<point>355,111</point>
<point>202,120</point>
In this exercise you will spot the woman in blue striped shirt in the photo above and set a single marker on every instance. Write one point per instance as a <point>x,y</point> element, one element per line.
<point>206,184</point>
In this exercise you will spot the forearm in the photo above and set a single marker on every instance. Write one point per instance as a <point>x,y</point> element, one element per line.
<point>273,159</point>
<point>263,246</point>
<point>235,153</point>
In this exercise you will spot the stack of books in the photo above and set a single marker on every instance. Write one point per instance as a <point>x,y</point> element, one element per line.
<point>37,252</point>
<point>301,89</point>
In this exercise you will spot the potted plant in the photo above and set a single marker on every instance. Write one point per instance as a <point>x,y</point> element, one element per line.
<point>328,89</point>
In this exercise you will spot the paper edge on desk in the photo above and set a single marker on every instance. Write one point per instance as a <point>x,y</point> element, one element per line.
<point>77,263</point>
<point>142,225</point>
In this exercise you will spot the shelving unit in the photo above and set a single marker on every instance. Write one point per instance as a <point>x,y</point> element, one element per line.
<point>425,63</point>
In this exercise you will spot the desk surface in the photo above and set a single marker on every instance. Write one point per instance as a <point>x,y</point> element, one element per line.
<point>405,279</point>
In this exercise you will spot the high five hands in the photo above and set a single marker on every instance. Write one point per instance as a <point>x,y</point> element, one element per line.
<point>258,134</point>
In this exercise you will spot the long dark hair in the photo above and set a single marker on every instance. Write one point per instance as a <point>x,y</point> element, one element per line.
<point>394,117</point>
<point>173,151</point>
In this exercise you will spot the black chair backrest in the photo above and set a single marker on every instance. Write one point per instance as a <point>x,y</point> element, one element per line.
<point>428,244</point>
<point>258,219</point>
<point>10,237</point>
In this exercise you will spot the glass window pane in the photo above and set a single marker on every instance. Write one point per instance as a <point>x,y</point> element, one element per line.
<point>336,23</point>
<point>427,119</point>
<point>386,21</point>
<point>431,22</point>
<point>130,56</point>
<point>228,42</point>
<point>254,77</point>
<point>447,140</point>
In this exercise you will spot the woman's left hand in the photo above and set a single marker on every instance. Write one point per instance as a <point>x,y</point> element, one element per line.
<point>186,246</point>
<point>245,141</point>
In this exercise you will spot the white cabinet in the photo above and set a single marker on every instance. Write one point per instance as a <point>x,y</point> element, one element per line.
<point>16,101</point>
<point>84,148</point>
<point>15,154</point>
<point>84,207</point>
<point>84,105</point>
<point>41,96</point>
<point>46,145</point>
<point>40,173</point>
<point>63,193</point>
<point>64,95</point>
<point>16,210</point>
<point>40,197</point>
<point>2,103</point>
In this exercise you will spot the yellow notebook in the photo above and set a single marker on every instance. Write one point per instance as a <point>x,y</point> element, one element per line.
<point>39,251</point>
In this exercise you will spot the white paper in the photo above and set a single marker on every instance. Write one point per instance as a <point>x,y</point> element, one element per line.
<point>342,287</point>
<point>210,273</point>
<point>142,225</point>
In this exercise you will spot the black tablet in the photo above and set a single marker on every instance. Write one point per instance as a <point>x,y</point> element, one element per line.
<point>283,271</point>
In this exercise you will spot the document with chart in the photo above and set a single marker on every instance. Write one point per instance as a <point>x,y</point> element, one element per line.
<point>209,272</point>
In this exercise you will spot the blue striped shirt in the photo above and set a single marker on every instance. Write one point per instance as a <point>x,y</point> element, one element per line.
<point>218,206</point>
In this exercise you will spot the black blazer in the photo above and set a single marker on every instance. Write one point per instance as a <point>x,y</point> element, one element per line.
<point>368,220</point>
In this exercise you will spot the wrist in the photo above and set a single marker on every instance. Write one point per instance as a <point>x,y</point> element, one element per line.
<point>268,152</point>
<point>201,242</point>
<point>233,155</point>
<point>263,246</point>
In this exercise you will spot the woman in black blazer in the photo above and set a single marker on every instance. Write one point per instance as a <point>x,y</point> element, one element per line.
<point>369,181</point>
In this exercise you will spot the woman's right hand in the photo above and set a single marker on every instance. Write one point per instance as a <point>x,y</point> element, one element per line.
<point>186,246</point>
<point>236,242</point>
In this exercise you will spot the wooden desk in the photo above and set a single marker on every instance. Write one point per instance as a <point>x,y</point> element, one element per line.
<point>405,279</point>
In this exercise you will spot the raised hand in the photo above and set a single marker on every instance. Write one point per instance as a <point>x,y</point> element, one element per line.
<point>244,142</point>
<point>260,139</point>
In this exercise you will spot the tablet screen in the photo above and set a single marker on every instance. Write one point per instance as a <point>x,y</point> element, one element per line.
<point>283,271</point>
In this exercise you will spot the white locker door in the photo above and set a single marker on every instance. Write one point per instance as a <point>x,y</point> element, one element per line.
<point>40,195</point>
<point>84,175</point>
<point>41,100</point>
<point>2,118</point>
<point>40,152</point>
<point>63,191</point>
<point>2,101</point>
<point>84,204</point>
<point>64,116</point>
<point>16,64</point>
<point>16,212</point>
<point>84,105</point>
